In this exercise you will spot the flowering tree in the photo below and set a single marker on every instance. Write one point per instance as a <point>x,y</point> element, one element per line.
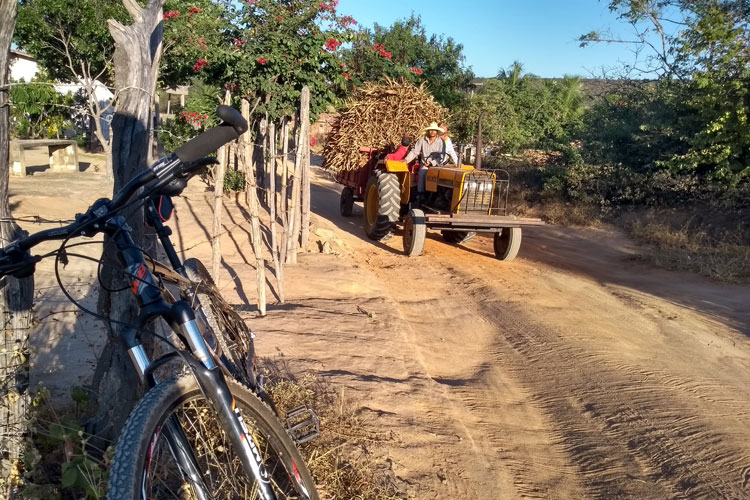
<point>405,50</point>
<point>262,50</point>
<point>287,45</point>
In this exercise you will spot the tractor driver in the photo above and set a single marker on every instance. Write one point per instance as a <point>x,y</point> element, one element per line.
<point>431,151</point>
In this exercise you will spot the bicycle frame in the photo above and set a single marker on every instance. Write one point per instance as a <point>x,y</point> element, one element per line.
<point>208,374</point>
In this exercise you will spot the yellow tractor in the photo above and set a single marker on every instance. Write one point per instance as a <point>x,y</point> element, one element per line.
<point>460,202</point>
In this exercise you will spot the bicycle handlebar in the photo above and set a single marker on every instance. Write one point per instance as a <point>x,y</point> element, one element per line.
<point>15,259</point>
<point>234,126</point>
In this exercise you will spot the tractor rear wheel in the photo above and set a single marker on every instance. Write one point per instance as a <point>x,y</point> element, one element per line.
<point>382,204</point>
<point>458,237</point>
<point>507,243</point>
<point>347,201</point>
<point>415,232</point>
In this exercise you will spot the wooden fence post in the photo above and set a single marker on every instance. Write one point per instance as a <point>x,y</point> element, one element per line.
<point>305,203</point>
<point>285,156</point>
<point>221,169</point>
<point>277,266</point>
<point>294,208</point>
<point>251,188</point>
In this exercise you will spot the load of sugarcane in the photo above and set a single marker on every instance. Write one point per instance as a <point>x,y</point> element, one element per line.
<point>379,116</point>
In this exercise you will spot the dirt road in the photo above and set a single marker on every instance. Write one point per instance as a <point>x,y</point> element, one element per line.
<point>573,372</point>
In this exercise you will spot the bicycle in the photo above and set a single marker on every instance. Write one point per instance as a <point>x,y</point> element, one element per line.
<point>200,434</point>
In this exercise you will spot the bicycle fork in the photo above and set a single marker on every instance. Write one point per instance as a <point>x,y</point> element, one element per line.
<point>214,387</point>
<point>211,382</point>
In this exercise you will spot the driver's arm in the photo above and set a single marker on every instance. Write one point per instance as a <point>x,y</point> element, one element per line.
<point>414,151</point>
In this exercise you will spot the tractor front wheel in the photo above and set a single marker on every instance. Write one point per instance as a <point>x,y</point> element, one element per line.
<point>507,243</point>
<point>415,232</point>
<point>382,204</point>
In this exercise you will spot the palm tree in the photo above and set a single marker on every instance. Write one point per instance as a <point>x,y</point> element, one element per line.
<point>512,75</point>
<point>571,96</point>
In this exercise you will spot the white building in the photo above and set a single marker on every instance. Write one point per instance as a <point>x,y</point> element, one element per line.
<point>24,67</point>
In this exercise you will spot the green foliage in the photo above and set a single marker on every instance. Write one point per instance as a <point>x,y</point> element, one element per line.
<point>234,180</point>
<point>198,42</point>
<point>521,111</point>
<point>63,35</point>
<point>687,134</point>
<point>38,110</point>
<point>404,50</point>
<point>264,51</point>
<point>199,114</point>
<point>59,458</point>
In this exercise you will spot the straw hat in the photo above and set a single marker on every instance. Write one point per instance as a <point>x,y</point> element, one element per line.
<point>433,126</point>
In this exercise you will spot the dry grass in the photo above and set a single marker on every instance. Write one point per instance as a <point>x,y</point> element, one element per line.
<point>688,248</point>
<point>569,214</point>
<point>339,458</point>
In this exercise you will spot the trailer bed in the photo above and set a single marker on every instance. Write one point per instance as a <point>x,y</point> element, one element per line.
<point>461,222</point>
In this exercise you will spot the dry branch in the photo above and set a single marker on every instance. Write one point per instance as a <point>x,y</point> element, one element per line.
<point>378,116</point>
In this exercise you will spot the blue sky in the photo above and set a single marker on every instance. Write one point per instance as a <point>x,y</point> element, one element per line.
<point>540,33</point>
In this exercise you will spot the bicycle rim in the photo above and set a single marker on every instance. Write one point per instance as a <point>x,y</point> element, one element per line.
<point>155,474</point>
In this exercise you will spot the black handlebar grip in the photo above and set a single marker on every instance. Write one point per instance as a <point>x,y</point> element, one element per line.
<point>234,125</point>
<point>232,117</point>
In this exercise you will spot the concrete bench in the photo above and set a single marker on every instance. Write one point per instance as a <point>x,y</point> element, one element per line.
<point>63,154</point>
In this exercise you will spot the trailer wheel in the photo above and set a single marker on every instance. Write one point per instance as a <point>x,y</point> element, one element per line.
<point>415,231</point>
<point>458,237</point>
<point>507,242</point>
<point>347,201</point>
<point>382,204</point>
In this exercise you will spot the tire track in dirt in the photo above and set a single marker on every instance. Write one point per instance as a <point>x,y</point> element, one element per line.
<point>633,433</point>
<point>595,378</point>
<point>454,355</point>
<point>622,430</point>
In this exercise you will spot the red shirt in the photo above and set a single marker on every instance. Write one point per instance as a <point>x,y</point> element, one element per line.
<point>398,155</point>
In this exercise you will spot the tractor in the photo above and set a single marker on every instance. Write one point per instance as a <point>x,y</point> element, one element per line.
<point>460,202</point>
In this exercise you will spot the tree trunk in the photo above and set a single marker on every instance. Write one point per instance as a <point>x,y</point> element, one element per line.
<point>303,142</point>
<point>16,296</point>
<point>136,59</point>
<point>221,168</point>
<point>251,188</point>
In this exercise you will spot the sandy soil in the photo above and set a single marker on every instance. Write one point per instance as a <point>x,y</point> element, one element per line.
<point>572,372</point>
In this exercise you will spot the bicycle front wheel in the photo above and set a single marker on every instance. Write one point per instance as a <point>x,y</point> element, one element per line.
<point>231,332</point>
<point>145,467</point>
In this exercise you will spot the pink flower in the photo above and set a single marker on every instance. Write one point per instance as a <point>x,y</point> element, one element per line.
<point>416,71</point>
<point>200,64</point>
<point>332,44</point>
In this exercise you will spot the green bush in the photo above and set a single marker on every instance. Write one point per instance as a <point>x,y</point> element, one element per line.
<point>234,180</point>
<point>38,110</point>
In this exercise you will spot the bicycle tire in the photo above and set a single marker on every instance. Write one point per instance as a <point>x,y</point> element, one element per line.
<point>231,333</point>
<point>138,472</point>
